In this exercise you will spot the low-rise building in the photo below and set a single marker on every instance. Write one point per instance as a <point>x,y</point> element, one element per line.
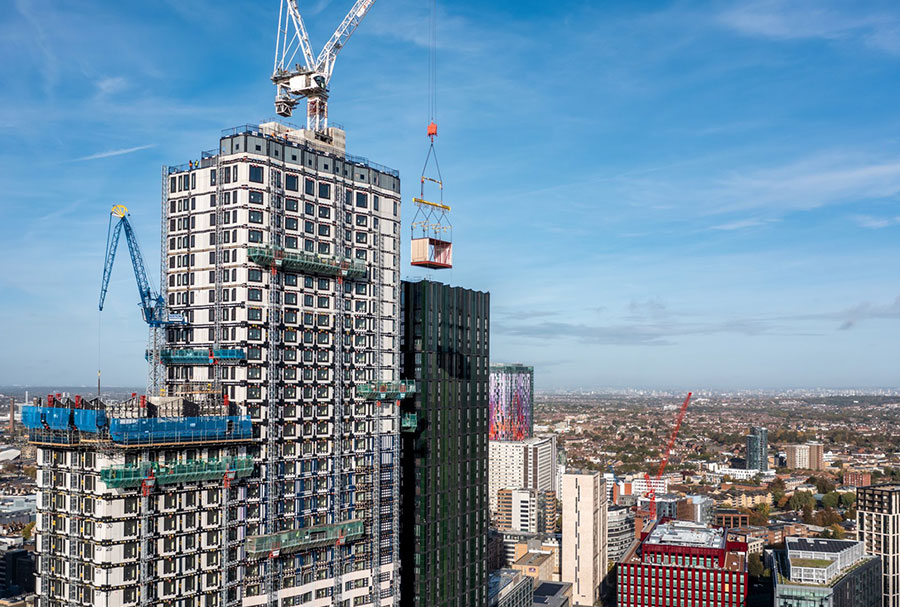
<point>826,573</point>
<point>688,563</point>
<point>535,565</point>
<point>509,588</point>
<point>552,594</point>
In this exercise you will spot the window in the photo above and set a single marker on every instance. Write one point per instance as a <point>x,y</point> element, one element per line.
<point>254,373</point>
<point>309,227</point>
<point>324,248</point>
<point>325,190</point>
<point>308,301</point>
<point>362,200</point>
<point>290,299</point>
<point>290,204</point>
<point>256,217</point>
<point>324,230</point>
<point>292,183</point>
<point>309,208</point>
<point>212,177</point>
<point>255,236</point>
<point>310,187</point>
<point>362,220</point>
<point>254,333</point>
<point>254,314</point>
<point>322,303</point>
<point>290,223</point>
<point>255,196</point>
<point>375,202</point>
<point>290,280</point>
<point>256,174</point>
<point>254,275</point>
<point>290,242</point>
<point>361,237</point>
<point>324,212</point>
<point>324,283</point>
<point>254,294</point>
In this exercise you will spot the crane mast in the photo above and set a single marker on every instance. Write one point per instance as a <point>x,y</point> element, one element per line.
<point>153,306</point>
<point>295,81</point>
<point>665,458</point>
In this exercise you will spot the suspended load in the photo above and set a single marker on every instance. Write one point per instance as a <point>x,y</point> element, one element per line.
<point>432,233</point>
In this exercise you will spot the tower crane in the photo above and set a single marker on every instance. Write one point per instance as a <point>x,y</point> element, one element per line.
<point>294,81</point>
<point>153,306</point>
<point>665,458</point>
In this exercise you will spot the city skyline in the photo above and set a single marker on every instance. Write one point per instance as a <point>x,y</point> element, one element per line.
<point>718,219</point>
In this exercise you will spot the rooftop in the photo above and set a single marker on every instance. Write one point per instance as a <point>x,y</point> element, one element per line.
<point>685,533</point>
<point>533,559</point>
<point>818,545</point>
<point>552,594</point>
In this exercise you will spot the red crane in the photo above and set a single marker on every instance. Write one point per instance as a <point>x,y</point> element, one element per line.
<point>665,458</point>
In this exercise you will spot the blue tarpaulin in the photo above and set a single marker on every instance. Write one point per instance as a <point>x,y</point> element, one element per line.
<point>180,429</point>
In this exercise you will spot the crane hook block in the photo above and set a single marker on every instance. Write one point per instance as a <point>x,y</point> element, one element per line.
<point>432,130</point>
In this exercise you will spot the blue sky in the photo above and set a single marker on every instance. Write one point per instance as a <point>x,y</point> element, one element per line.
<point>656,194</point>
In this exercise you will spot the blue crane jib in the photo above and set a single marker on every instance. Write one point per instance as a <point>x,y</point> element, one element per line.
<point>153,306</point>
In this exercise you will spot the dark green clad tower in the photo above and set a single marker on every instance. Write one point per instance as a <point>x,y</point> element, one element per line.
<point>444,347</point>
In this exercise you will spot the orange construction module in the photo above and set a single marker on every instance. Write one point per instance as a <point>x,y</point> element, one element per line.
<point>432,253</point>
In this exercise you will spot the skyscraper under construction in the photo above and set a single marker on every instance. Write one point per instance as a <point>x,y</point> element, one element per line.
<point>266,471</point>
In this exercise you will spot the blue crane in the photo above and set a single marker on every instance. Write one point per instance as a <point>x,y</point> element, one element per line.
<point>153,306</point>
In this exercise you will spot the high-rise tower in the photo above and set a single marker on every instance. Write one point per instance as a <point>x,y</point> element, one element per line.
<point>445,347</point>
<point>758,449</point>
<point>283,245</point>
<point>511,409</point>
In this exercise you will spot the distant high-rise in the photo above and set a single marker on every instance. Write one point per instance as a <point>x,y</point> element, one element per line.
<point>878,527</point>
<point>758,449</point>
<point>444,519</point>
<point>810,456</point>
<point>528,510</point>
<point>511,407</point>
<point>584,535</point>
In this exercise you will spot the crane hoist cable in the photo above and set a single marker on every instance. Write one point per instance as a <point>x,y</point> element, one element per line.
<point>431,233</point>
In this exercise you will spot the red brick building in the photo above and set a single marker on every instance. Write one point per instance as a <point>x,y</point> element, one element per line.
<point>857,479</point>
<point>685,564</point>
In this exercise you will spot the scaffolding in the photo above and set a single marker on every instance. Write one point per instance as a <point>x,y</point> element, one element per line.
<point>302,261</point>
<point>285,542</point>
<point>387,390</point>
<point>190,471</point>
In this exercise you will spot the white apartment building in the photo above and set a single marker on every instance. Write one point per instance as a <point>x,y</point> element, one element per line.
<point>527,464</point>
<point>584,536</point>
<point>282,254</point>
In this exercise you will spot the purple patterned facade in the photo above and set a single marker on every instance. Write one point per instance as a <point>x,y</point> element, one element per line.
<point>511,403</point>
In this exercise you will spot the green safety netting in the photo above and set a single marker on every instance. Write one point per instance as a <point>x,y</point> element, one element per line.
<point>300,539</point>
<point>387,389</point>
<point>308,262</point>
<point>180,472</point>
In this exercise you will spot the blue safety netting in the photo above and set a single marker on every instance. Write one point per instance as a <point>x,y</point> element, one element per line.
<point>180,429</point>
<point>88,420</point>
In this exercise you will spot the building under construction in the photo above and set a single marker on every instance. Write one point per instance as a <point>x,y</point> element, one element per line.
<point>266,473</point>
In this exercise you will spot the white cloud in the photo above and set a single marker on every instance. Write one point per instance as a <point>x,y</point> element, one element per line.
<point>811,19</point>
<point>111,153</point>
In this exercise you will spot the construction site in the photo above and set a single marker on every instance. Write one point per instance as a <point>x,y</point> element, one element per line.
<point>261,466</point>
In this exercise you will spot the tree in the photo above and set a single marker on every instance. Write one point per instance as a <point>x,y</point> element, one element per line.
<point>848,499</point>
<point>30,472</point>
<point>831,500</point>
<point>760,515</point>
<point>800,500</point>
<point>755,566</point>
<point>807,514</point>
<point>26,530</point>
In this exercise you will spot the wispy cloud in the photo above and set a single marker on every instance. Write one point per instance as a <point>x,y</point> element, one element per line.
<point>739,224</point>
<point>110,153</point>
<point>813,19</point>
<point>876,223</point>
